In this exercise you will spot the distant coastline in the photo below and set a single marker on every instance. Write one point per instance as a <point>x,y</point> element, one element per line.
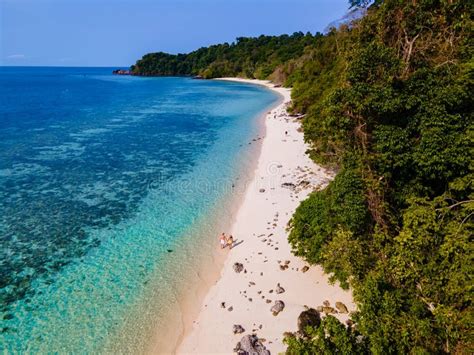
<point>131,73</point>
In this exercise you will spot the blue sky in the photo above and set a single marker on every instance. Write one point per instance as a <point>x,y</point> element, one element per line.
<point>118,32</point>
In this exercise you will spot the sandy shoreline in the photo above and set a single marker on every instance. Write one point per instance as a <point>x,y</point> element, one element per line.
<point>259,227</point>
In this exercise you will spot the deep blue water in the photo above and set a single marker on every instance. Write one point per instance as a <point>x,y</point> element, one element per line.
<point>100,176</point>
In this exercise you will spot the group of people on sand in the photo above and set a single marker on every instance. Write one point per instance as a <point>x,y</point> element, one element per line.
<point>226,241</point>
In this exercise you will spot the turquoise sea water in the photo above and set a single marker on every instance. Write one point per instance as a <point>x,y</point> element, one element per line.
<point>108,186</point>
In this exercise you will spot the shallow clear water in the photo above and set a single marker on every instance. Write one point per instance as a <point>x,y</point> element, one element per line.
<point>100,176</point>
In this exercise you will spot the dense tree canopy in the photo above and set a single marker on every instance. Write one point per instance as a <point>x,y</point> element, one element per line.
<point>388,104</point>
<point>396,223</point>
<point>248,57</point>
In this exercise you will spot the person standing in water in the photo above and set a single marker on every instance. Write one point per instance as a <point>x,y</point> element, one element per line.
<point>223,240</point>
<point>230,241</point>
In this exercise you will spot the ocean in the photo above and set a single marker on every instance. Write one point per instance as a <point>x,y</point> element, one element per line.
<point>112,190</point>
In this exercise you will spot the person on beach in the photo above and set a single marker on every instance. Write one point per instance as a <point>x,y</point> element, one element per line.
<point>230,241</point>
<point>223,240</point>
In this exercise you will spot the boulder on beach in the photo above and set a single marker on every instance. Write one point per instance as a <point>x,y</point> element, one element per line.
<point>238,329</point>
<point>250,345</point>
<point>341,307</point>
<point>308,318</point>
<point>279,289</point>
<point>277,307</point>
<point>304,183</point>
<point>329,310</point>
<point>238,267</point>
<point>305,268</point>
<point>288,185</point>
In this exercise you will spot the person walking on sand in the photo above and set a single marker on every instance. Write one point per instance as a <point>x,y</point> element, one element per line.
<point>230,241</point>
<point>223,240</point>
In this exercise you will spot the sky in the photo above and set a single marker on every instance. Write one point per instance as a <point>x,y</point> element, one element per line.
<point>118,32</point>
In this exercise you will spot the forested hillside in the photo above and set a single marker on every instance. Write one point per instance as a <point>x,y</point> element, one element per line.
<point>247,57</point>
<point>388,104</point>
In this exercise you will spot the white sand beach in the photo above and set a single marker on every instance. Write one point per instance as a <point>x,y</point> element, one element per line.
<point>245,298</point>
